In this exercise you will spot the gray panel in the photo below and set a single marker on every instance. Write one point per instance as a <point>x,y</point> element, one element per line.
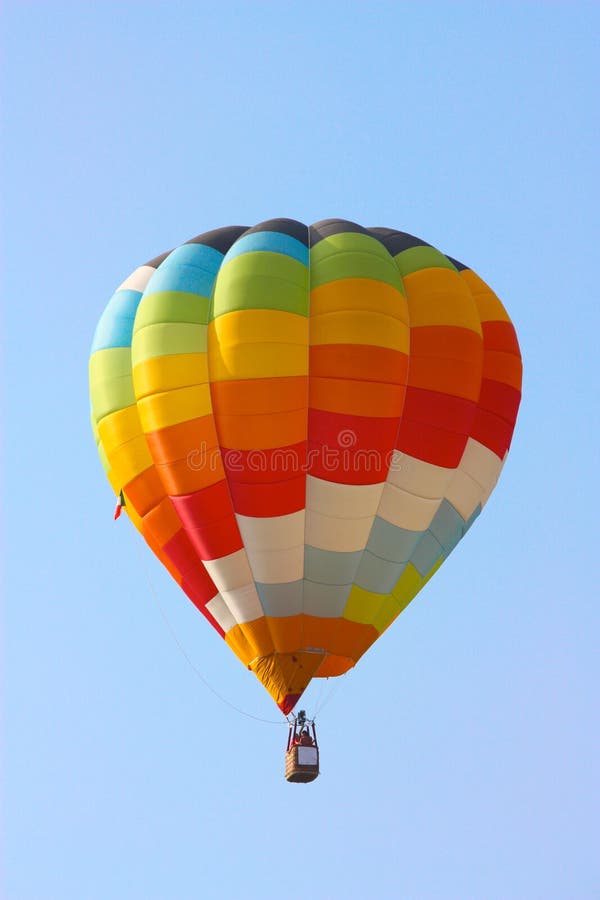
<point>328,227</point>
<point>397,241</point>
<point>327,600</point>
<point>281,599</point>
<point>426,554</point>
<point>378,575</point>
<point>330,566</point>
<point>472,518</point>
<point>392,542</point>
<point>447,526</point>
<point>291,227</point>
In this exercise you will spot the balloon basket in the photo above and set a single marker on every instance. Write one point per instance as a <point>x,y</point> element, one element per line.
<point>302,752</point>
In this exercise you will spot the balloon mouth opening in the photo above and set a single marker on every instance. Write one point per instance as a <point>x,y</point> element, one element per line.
<point>288,703</point>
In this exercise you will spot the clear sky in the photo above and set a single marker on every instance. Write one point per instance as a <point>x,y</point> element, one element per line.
<point>460,757</point>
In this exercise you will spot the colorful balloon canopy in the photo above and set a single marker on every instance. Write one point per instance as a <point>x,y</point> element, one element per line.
<point>303,423</point>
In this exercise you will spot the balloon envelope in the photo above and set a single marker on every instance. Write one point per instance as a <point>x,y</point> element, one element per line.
<point>303,422</point>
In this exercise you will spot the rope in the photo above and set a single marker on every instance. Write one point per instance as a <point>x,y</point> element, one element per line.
<point>185,655</point>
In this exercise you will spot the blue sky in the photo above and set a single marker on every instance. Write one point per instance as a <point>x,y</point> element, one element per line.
<point>459,758</point>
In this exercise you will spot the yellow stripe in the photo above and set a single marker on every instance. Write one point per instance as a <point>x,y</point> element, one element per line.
<point>363,606</point>
<point>380,610</point>
<point>172,407</point>
<point>489,306</point>
<point>249,326</point>
<point>356,327</point>
<point>118,428</point>
<point>129,460</point>
<point>440,297</point>
<point>356,294</point>
<point>257,361</point>
<point>167,373</point>
<point>411,581</point>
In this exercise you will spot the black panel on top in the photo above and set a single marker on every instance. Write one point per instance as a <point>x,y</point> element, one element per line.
<point>155,263</point>
<point>290,227</point>
<point>220,239</point>
<point>397,241</point>
<point>460,266</point>
<point>327,227</point>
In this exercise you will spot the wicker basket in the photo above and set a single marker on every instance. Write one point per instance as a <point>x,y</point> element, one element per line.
<point>301,764</point>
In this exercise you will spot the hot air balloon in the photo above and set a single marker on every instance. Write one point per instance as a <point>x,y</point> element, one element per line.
<point>303,422</point>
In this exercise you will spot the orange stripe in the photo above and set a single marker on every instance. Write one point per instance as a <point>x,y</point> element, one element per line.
<point>362,362</point>
<point>258,395</point>
<point>176,442</point>
<point>503,367</point>
<point>264,431</point>
<point>332,666</point>
<point>180,477</point>
<point>145,491</point>
<point>458,378</point>
<point>445,341</point>
<point>162,522</point>
<point>250,640</point>
<point>360,398</point>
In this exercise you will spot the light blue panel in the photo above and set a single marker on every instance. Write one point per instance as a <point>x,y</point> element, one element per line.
<point>329,567</point>
<point>195,255</point>
<point>270,242</point>
<point>115,328</point>
<point>378,575</point>
<point>447,526</point>
<point>281,599</point>
<point>326,600</point>
<point>392,542</point>
<point>191,268</point>
<point>426,554</point>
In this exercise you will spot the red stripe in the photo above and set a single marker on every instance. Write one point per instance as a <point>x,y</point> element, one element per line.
<point>264,500</point>
<point>183,555</point>
<point>433,445</point>
<point>492,431</point>
<point>264,466</point>
<point>501,399</point>
<point>206,505</point>
<point>216,539</point>
<point>440,410</point>
<point>350,449</point>
<point>200,602</point>
<point>500,336</point>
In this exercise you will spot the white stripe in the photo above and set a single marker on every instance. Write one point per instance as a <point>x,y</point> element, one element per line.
<point>273,533</point>
<point>229,572</point>
<point>277,566</point>
<point>464,494</point>
<point>244,603</point>
<point>482,465</point>
<point>343,501</point>
<point>419,477</point>
<point>343,535</point>
<point>407,510</point>
<point>137,281</point>
<point>220,612</point>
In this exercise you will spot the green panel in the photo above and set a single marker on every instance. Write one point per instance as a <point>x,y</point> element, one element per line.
<point>111,394</point>
<point>171,306</point>
<point>103,458</point>
<point>111,386</point>
<point>417,258</point>
<point>109,363</point>
<point>164,339</point>
<point>261,280</point>
<point>352,255</point>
